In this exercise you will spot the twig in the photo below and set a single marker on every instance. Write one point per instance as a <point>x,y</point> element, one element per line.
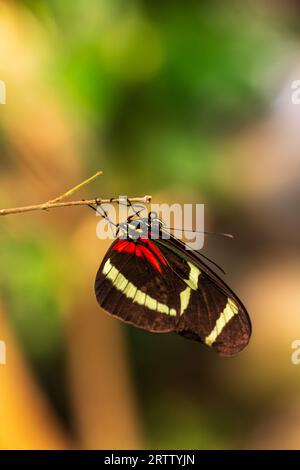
<point>78,186</point>
<point>83,202</point>
<point>55,203</point>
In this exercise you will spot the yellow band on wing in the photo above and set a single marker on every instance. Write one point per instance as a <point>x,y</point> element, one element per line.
<point>229,311</point>
<point>133,293</point>
<point>192,283</point>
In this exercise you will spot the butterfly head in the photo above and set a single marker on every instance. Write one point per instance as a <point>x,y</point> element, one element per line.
<point>140,227</point>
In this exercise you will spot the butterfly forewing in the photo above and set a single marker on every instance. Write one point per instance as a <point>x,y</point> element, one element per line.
<point>138,290</point>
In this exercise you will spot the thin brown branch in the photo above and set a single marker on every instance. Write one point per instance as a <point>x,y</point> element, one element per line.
<point>57,202</point>
<point>82,202</point>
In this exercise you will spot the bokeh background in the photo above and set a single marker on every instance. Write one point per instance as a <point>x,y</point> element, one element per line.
<point>187,101</point>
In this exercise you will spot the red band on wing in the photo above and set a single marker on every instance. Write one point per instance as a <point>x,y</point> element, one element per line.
<point>142,251</point>
<point>124,245</point>
<point>154,249</point>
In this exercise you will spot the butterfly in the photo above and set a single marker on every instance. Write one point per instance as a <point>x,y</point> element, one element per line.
<point>148,278</point>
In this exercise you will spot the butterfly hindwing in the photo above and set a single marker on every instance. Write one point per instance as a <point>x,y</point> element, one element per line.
<point>210,312</point>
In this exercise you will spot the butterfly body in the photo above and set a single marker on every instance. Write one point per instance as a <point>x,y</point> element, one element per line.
<point>149,279</point>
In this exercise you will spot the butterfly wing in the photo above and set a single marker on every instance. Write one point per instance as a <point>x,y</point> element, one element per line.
<point>162,287</point>
<point>209,311</point>
<point>135,284</point>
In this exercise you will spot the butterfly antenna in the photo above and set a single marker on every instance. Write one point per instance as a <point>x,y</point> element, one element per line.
<point>203,256</point>
<point>217,234</point>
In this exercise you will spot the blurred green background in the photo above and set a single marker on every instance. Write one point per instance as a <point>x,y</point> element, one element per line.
<point>187,101</point>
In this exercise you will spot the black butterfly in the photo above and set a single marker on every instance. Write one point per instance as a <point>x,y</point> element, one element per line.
<point>157,284</point>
